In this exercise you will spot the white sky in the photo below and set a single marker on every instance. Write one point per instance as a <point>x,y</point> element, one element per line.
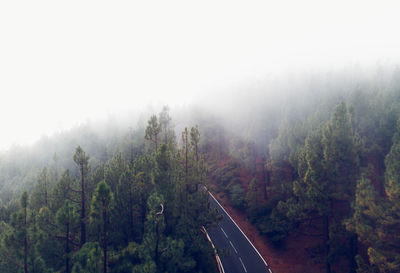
<point>63,62</point>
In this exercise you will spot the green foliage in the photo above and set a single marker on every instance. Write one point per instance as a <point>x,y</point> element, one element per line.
<point>66,215</point>
<point>88,259</point>
<point>81,159</point>
<point>375,219</point>
<point>102,200</point>
<point>237,196</point>
<point>314,141</point>
<point>252,196</point>
<point>227,175</point>
<point>153,129</point>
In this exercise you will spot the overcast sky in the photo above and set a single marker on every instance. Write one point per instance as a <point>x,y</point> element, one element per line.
<point>63,62</point>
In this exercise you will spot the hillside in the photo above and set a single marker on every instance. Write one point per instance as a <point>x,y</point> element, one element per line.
<point>310,171</point>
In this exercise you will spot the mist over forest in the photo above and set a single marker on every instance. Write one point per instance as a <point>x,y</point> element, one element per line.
<point>299,153</point>
<point>178,136</point>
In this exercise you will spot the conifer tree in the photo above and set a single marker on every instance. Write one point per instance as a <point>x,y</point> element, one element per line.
<point>66,218</point>
<point>165,121</point>
<point>376,221</point>
<point>330,175</point>
<point>82,161</point>
<point>252,195</point>
<point>153,129</point>
<point>24,206</point>
<point>101,205</point>
<point>341,164</point>
<point>40,195</point>
<point>194,141</point>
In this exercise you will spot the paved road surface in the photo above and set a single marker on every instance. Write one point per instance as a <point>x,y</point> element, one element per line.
<point>243,258</point>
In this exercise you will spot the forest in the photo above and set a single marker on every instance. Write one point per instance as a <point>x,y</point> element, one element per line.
<point>316,156</point>
<point>144,213</point>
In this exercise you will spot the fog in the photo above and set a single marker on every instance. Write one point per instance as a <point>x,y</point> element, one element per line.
<point>67,63</point>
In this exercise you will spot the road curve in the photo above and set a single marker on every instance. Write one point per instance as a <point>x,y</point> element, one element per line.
<point>244,257</point>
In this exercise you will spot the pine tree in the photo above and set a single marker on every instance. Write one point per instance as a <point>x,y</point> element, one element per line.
<point>153,129</point>
<point>40,195</point>
<point>66,218</point>
<point>328,186</point>
<point>165,121</point>
<point>194,141</point>
<point>378,222</point>
<point>342,168</point>
<point>82,160</point>
<point>24,206</point>
<point>252,196</point>
<point>101,205</point>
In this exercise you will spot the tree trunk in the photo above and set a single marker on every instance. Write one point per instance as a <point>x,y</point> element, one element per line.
<point>83,227</point>
<point>25,244</point>
<point>143,215</point>
<point>45,194</point>
<point>197,154</point>
<point>131,212</point>
<point>131,159</point>
<point>354,252</point>
<point>326,241</point>
<point>186,161</point>
<point>67,250</point>
<point>267,182</point>
<point>157,241</point>
<point>264,182</point>
<point>105,241</point>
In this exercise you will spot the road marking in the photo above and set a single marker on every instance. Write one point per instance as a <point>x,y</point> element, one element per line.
<point>239,229</point>
<point>224,232</point>
<point>240,259</point>
<point>233,247</point>
<point>270,270</point>
<point>222,268</point>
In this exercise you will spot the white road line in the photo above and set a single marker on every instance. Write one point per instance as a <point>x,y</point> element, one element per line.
<point>240,230</point>
<point>233,247</point>
<point>224,232</point>
<point>270,270</point>
<point>240,259</point>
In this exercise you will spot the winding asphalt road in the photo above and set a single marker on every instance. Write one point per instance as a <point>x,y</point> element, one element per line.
<point>244,257</point>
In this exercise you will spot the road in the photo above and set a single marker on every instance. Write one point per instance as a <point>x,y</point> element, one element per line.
<point>243,258</point>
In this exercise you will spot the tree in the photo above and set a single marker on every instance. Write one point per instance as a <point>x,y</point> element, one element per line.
<point>185,143</point>
<point>165,182</point>
<point>40,194</point>
<point>328,186</point>
<point>81,160</point>
<point>101,205</point>
<point>61,191</point>
<point>376,220</point>
<point>66,217</point>
<point>341,164</point>
<point>153,129</point>
<point>366,219</point>
<point>165,121</point>
<point>24,206</point>
<point>155,225</point>
<point>47,241</point>
<point>252,195</point>
<point>194,141</point>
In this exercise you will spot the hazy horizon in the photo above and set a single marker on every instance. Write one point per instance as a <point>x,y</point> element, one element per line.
<point>62,64</point>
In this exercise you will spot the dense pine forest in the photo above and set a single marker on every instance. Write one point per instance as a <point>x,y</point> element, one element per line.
<point>142,213</point>
<point>316,156</point>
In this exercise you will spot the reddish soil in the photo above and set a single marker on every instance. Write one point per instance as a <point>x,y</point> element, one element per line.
<point>293,258</point>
